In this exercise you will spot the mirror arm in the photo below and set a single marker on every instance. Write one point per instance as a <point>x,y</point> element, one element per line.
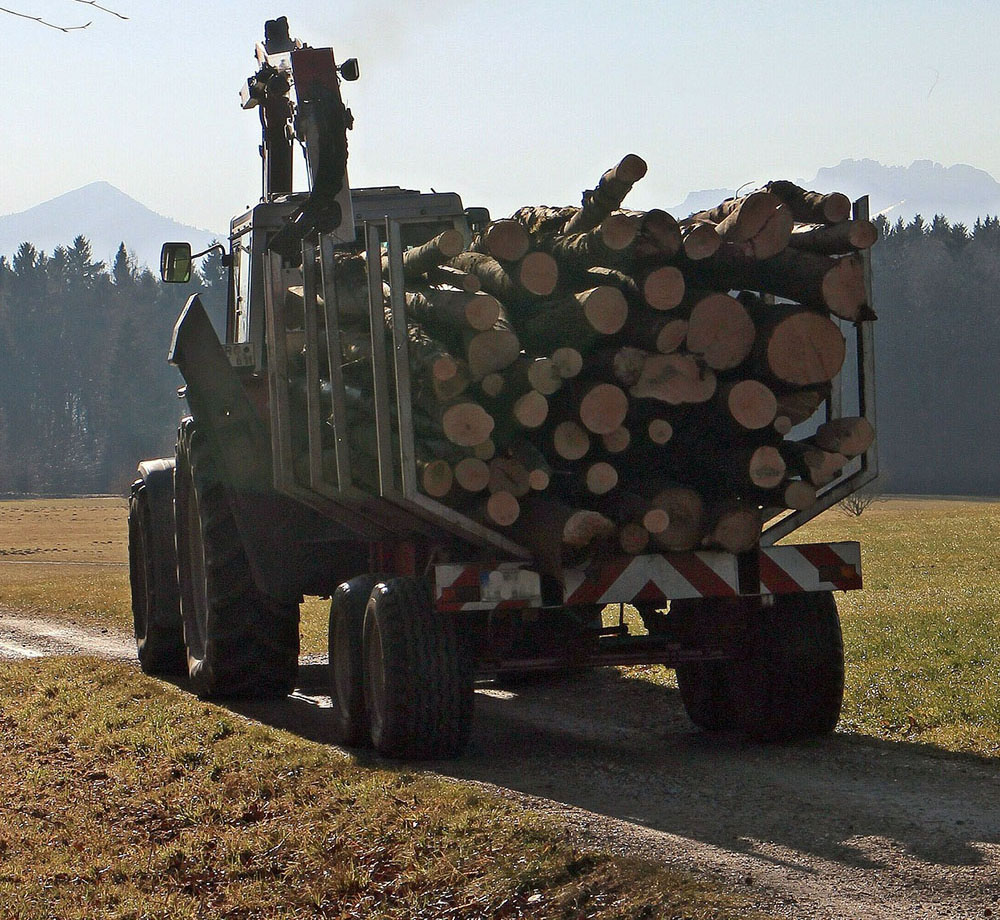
<point>226,257</point>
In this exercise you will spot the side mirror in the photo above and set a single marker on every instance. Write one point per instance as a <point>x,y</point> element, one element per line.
<point>350,70</point>
<point>175,263</point>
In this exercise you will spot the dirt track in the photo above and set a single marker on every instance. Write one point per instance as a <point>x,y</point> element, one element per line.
<point>846,827</point>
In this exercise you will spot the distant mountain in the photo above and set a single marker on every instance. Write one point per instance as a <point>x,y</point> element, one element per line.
<point>961,193</point>
<point>107,217</point>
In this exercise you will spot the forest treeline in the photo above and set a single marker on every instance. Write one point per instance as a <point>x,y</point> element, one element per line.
<point>85,390</point>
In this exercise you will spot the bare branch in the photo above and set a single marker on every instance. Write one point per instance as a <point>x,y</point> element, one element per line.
<point>43,22</point>
<point>103,9</point>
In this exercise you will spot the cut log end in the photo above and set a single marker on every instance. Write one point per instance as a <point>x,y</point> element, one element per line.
<point>472,474</point>
<point>544,376</point>
<point>437,478</point>
<point>585,527</point>
<point>799,495</point>
<point>630,170</point>
<point>766,468</point>
<point>721,331</point>
<point>844,288</point>
<point>601,478</point>
<point>850,436</point>
<point>663,288</point>
<point>618,231</point>
<point>656,520</point>
<point>538,273</point>
<point>605,308</point>
<point>603,408</point>
<point>506,240</point>
<point>805,349</point>
<point>671,336</point>
<point>490,351</point>
<point>700,241</point>
<point>482,311</point>
<point>503,509</point>
<point>568,362</point>
<point>570,441</point>
<point>751,404</point>
<point>660,431</point>
<point>531,409</point>
<point>466,424</point>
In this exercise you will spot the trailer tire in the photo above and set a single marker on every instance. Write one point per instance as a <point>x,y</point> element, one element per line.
<point>706,689</point>
<point>790,683</point>
<point>240,643</point>
<point>418,674</point>
<point>346,656</point>
<point>152,562</point>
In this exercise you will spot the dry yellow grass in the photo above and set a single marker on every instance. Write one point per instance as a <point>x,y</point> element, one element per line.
<point>67,559</point>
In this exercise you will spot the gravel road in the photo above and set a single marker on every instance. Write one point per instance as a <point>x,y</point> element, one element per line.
<point>844,827</point>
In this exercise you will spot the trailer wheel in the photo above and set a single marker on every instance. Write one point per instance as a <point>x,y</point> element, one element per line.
<point>418,674</point>
<point>239,642</point>
<point>790,684</point>
<point>347,618</point>
<point>152,563</point>
<point>706,689</point>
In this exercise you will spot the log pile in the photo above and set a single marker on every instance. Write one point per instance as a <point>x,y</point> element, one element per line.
<point>593,376</point>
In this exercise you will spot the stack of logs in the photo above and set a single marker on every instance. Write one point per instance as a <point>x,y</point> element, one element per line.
<point>592,376</point>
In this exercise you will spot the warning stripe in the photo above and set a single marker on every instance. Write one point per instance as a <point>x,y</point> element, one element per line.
<point>775,579</point>
<point>590,590</point>
<point>703,578</point>
<point>823,556</point>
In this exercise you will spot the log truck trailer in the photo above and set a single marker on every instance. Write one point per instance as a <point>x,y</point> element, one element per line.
<point>265,500</point>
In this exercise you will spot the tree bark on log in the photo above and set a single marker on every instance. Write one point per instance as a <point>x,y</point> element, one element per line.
<point>835,239</point>
<point>607,197</point>
<point>836,285</point>
<point>811,207</point>
<point>576,321</point>
<point>431,254</point>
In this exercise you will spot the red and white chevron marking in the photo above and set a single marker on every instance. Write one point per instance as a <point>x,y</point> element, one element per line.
<point>485,587</point>
<point>655,578</point>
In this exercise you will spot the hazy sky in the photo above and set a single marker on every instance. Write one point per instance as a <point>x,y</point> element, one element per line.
<point>505,102</point>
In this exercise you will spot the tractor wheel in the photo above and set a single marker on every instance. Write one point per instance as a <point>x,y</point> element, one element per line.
<point>347,619</point>
<point>790,682</point>
<point>152,562</point>
<point>418,674</point>
<point>239,642</point>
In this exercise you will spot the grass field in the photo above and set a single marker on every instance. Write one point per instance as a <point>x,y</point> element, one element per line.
<point>922,638</point>
<point>125,797</point>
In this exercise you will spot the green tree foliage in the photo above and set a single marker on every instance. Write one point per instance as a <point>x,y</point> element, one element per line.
<point>937,294</point>
<point>85,389</point>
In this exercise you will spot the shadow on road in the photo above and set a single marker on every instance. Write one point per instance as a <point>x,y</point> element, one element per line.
<point>623,748</point>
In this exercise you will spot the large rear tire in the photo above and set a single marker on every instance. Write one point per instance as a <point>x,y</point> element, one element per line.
<point>706,689</point>
<point>156,615</point>
<point>790,682</point>
<point>347,618</point>
<point>239,642</point>
<point>418,674</point>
